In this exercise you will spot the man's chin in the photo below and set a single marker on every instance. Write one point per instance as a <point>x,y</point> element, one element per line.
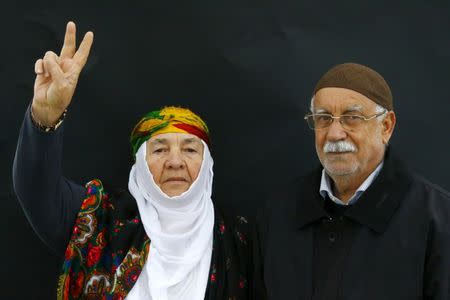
<point>337,169</point>
<point>339,173</point>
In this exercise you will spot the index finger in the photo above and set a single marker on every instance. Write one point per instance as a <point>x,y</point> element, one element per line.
<point>68,49</point>
<point>82,53</point>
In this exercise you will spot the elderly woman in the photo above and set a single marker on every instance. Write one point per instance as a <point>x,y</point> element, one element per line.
<point>163,238</point>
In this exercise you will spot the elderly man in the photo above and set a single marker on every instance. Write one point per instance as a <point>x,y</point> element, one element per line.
<point>362,226</point>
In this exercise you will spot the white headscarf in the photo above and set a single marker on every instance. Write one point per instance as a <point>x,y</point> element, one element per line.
<point>180,229</point>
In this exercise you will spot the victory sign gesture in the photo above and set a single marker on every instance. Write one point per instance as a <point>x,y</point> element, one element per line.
<point>57,77</point>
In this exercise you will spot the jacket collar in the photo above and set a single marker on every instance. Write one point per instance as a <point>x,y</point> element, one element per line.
<point>376,205</point>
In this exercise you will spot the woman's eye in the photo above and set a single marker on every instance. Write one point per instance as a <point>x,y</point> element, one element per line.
<point>190,150</point>
<point>160,150</point>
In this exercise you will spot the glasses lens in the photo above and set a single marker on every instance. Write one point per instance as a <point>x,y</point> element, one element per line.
<point>310,121</point>
<point>352,121</point>
<point>321,120</point>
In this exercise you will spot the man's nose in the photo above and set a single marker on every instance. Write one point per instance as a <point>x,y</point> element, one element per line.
<point>335,131</point>
<point>174,160</point>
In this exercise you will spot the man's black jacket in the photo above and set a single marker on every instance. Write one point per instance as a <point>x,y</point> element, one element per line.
<point>394,243</point>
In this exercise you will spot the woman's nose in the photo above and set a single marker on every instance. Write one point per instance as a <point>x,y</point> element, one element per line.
<point>175,160</point>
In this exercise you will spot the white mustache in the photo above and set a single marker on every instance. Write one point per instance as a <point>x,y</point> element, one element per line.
<point>340,146</point>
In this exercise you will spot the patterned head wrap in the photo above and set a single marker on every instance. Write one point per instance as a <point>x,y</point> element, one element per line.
<point>170,119</point>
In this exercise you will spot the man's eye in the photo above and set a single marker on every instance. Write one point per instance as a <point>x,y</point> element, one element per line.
<point>352,117</point>
<point>322,118</point>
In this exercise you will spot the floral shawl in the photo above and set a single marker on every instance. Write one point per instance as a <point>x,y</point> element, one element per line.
<point>109,247</point>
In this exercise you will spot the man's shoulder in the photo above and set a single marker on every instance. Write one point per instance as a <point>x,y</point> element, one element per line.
<point>419,188</point>
<point>434,203</point>
<point>426,199</point>
<point>429,188</point>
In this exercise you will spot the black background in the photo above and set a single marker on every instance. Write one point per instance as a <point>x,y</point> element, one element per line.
<point>247,67</point>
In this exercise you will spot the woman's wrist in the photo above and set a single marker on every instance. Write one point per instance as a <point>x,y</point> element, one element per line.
<point>46,128</point>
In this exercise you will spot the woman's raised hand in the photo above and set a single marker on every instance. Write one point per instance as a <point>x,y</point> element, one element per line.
<point>57,77</point>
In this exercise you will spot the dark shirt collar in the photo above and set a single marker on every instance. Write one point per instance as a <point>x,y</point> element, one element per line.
<point>376,205</point>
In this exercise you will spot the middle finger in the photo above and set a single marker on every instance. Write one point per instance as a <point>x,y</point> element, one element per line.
<point>69,46</point>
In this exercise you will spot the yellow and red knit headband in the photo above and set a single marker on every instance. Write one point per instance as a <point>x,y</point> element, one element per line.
<point>170,119</point>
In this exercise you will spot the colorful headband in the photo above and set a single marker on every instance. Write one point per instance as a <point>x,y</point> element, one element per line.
<point>170,119</point>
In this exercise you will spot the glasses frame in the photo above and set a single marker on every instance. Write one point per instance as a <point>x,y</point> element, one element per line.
<point>364,118</point>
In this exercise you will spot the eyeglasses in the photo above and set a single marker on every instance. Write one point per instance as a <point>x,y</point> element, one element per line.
<point>348,122</point>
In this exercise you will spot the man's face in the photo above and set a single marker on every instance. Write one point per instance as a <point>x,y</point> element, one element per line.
<point>174,159</point>
<point>368,140</point>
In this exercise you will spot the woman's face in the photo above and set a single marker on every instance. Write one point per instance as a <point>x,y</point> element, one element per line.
<point>174,159</point>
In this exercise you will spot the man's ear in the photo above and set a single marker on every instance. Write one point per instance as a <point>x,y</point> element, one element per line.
<point>388,126</point>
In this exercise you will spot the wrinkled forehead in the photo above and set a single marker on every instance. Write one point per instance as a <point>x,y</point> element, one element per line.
<point>175,138</point>
<point>332,99</point>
